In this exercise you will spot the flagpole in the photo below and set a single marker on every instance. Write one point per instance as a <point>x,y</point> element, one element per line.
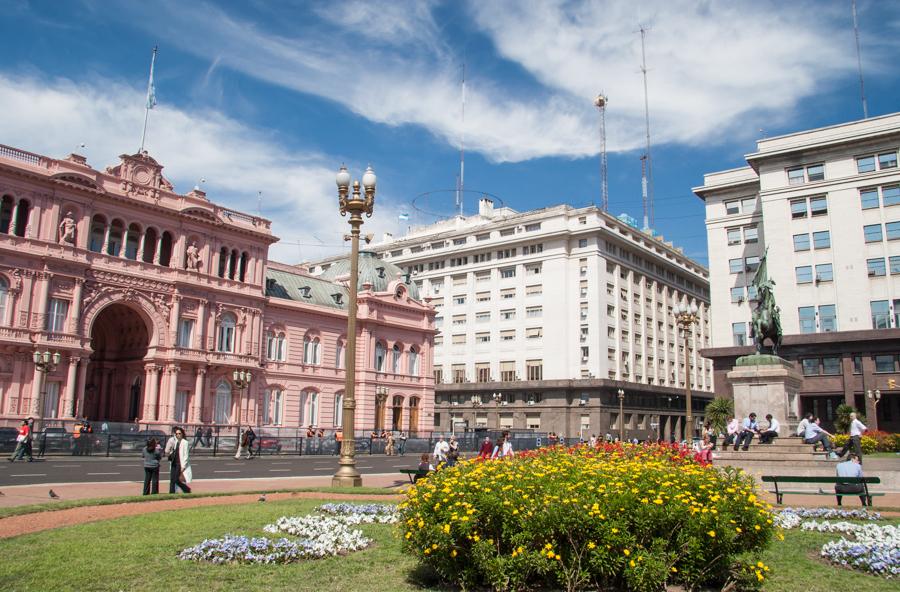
<point>150,99</point>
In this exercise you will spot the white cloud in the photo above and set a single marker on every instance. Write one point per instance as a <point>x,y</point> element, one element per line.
<point>54,117</point>
<point>716,68</point>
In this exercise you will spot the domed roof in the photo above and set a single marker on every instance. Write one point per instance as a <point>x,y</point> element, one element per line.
<point>372,270</point>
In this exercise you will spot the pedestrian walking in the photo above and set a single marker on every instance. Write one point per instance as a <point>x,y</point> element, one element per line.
<point>21,443</point>
<point>854,442</point>
<point>208,435</point>
<point>251,438</point>
<point>151,455</point>
<point>401,448</point>
<point>243,441</point>
<point>180,475</point>
<point>198,438</point>
<point>389,447</point>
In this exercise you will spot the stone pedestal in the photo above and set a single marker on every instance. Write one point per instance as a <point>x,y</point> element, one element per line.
<point>764,384</point>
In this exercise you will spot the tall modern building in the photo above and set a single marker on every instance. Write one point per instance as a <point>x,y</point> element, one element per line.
<point>825,204</point>
<point>544,315</point>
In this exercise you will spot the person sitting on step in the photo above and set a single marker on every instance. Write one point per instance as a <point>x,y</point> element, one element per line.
<point>749,427</point>
<point>815,435</point>
<point>771,432</point>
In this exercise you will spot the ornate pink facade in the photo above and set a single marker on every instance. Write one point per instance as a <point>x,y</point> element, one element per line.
<point>154,299</point>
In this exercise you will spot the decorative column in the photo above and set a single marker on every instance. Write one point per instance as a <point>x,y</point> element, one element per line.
<point>201,324</point>
<point>82,384</point>
<point>174,316</point>
<point>140,253</point>
<point>197,401</point>
<point>105,249</point>
<point>39,321</point>
<point>14,219</point>
<point>71,384</point>
<point>152,382</point>
<point>173,391</point>
<point>158,248</point>
<point>75,314</point>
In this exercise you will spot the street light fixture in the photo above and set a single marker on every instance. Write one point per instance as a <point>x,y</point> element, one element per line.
<point>621,415</point>
<point>45,362</point>
<point>356,204</point>
<point>875,397</point>
<point>241,380</point>
<point>381,396</point>
<point>687,316</point>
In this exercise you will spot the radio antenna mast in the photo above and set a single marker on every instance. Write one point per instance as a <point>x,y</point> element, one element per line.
<point>600,102</point>
<point>647,176</point>
<point>862,86</point>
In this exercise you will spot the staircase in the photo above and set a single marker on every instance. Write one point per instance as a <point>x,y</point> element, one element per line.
<point>785,456</point>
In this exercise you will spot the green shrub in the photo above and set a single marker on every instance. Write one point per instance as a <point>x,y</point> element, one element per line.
<point>867,443</point>
<point>611,518</point>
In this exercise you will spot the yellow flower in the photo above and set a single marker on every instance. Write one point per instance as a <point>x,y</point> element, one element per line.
<point>627,552</point>
<point>591,545</point>
<point>712,533</point>
<point>631,563</point>
<point>453,553</point>
<point>408,534</point>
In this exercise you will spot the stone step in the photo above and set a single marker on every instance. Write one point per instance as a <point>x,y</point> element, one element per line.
<point>742,456</point>
<point>802,449</point>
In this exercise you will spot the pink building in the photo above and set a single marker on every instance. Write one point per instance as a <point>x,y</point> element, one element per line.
<point>154,299</point>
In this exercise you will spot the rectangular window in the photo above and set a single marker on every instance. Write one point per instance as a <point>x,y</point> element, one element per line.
<point>507,371</point>
<point>185,332</point>
<point>810,366</point>
<point>534,369</point>
<point>824,272</point>
<point>483,237</point>
<point>822,239</point>
<point>56,315</point>
<point>438,376</point>
<point>884,363</point>
<point>739,333</point>
<point>459,241</point>
<point>483,372</point>
<point>751,235</point>
<point>508,315</point>
<point>751,263</point>
<point>737,294</point>
<point>482,338</point>
<point>459,320</point>
<point>796,176</point>
<point>508,231</point>
<point>887,160</point>
<point>804,274</point>
<point>534,312</point>
<point>865,164</point>
<point>582,243</point>
<point>507,272</point>
<point>483,297</point>
<point>732,207</point>
<point>438,340</point>
<point>893,230</point>
<point>895,264</point>
<point>818,206</point>
<point>536,290</point>
<point>827,318</point>
<point>734,236</point>
<point>801,242</point>
<point>533,269</point>
<point>534,332</point>
<point>459,281</point>
<point>857,365</point>
<point>868,198</point>
<point>735,265</point>
<point>459,339</point>
<point>807,316</point>
<point>881,314</point>
<point>798,208</point>
<point>483,317</point>
<point>872,232</point>
<point>896,313</point>
<point>890,195</point>
<point>876,267</point>
<point>459,373</point>
<point>507,293</point>
<point>748,205</point>
<point>815,172</point>
<point>831,366</point>
<point>459,300</point>
<point>508,335</point>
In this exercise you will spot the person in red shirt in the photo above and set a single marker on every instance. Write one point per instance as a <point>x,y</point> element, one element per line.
<point>22,447</point>
<point>487,447</point>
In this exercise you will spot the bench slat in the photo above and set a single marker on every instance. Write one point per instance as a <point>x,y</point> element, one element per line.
<point>830,493</point>
<point>799,479</point>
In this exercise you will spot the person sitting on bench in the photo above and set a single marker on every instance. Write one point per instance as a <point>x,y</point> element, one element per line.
<point>424,465</point>
<point>850,468</point>
<point>815,434</point>
<point>771,432</point>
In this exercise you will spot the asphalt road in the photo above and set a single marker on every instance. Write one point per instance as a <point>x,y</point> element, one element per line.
<point>84,469</point>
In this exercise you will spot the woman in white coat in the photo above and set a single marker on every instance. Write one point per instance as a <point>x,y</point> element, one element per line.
<point>180,473</point>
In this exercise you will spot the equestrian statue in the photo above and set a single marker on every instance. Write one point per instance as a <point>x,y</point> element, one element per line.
<point>766,320</point>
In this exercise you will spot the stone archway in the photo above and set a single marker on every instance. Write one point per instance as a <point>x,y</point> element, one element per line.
<point>120,337</point>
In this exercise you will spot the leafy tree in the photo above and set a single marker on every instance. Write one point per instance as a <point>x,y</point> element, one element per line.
<point>718,412</point>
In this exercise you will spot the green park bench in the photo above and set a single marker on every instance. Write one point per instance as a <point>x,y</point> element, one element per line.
<point>864,481</point>
<point>414,474</point>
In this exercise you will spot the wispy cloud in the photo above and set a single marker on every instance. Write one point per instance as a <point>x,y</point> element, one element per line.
<point>54,116</point>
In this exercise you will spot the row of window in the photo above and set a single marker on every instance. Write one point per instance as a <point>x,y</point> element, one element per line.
<point>14,215</point>
<point>812,173</point>
<point>873,233</point>
<point>534,370</point>
<point>820,240</point>
<point>812,206</point>
<point>462,240</point>
<point>873,197</point>
<point>877,268</point>
<point>824,273</point>
<point>747,235</point>
<point>485,336</point>
<point>831,365</point>
<point>476,258</point>
<point>742,264</point>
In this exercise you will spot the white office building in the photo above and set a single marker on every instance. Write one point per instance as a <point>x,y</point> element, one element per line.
<point>551,310</point>
<point>825,203</point>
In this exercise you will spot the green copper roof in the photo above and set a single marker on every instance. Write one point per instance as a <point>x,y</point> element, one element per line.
<point>372,270</point>
<point>304,288</point>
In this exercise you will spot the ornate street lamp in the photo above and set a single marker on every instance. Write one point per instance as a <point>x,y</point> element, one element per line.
<point>356,204</point>
<point>44,362</point>
<point>686,316</point>
<point>241,379</point>
<point>621,394</point>
<point>875,397</point>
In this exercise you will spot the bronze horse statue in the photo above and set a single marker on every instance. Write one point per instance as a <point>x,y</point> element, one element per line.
<point>766,320</point>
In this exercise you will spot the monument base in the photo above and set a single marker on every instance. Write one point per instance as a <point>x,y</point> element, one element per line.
<point>766,384</point>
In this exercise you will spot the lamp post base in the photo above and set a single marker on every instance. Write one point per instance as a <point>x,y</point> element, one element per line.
<point>346,476</point>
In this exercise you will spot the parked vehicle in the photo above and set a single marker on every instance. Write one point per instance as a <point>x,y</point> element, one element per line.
<point>8,439</point>
<point>269,445</point>
<point>56,439</point>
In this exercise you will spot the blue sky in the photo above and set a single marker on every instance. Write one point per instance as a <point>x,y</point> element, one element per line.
<point>273,96</point>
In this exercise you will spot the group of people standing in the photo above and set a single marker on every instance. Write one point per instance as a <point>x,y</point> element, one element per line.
<point>178,452</point>
<point>392,445</point>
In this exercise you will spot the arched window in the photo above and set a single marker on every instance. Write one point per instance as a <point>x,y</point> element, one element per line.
<point>273,406</point>
<point>311,350</point>
<point>245,258</point>
<point>232,264</point>
<point>4,292</point>
<point>414,361</point>
<point>132,242</point>
<point>165,249</point>
<point>397,351</point>
<point>414,414</point>
<point>21,221</point>
<point>309,400</point>
<point>222,406</point>
<point>225,341</point>
<point>223,262</point>
<point>6,211</point>
<point>339,354</point>
<point>116,231</point>
<point>98,234</point>
<point>338,410</point>
<point>379,357</point>
<point>275,346</point>
<point>150,238</point>
<point>397,413</point>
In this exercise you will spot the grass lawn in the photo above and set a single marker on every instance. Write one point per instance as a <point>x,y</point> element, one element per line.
<point>139,553</point>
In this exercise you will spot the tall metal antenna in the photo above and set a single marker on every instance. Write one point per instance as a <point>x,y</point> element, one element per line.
<point>151,99</point>
<point>647,168</point>
<point>600,102</point>
<point>862,86</point>
<point>461,179</point>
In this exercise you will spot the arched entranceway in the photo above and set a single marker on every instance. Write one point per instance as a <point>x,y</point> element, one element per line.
<point>119,338</point>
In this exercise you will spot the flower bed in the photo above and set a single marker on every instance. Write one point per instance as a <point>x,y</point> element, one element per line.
<point>875,549</point>
<point>361,513</point>
<point>614,517</point>
<point>327,536</point>
<point>795,515</point>
<point>241,549</point>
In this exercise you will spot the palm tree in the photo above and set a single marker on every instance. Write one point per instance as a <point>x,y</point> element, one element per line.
<point>718,412</point>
